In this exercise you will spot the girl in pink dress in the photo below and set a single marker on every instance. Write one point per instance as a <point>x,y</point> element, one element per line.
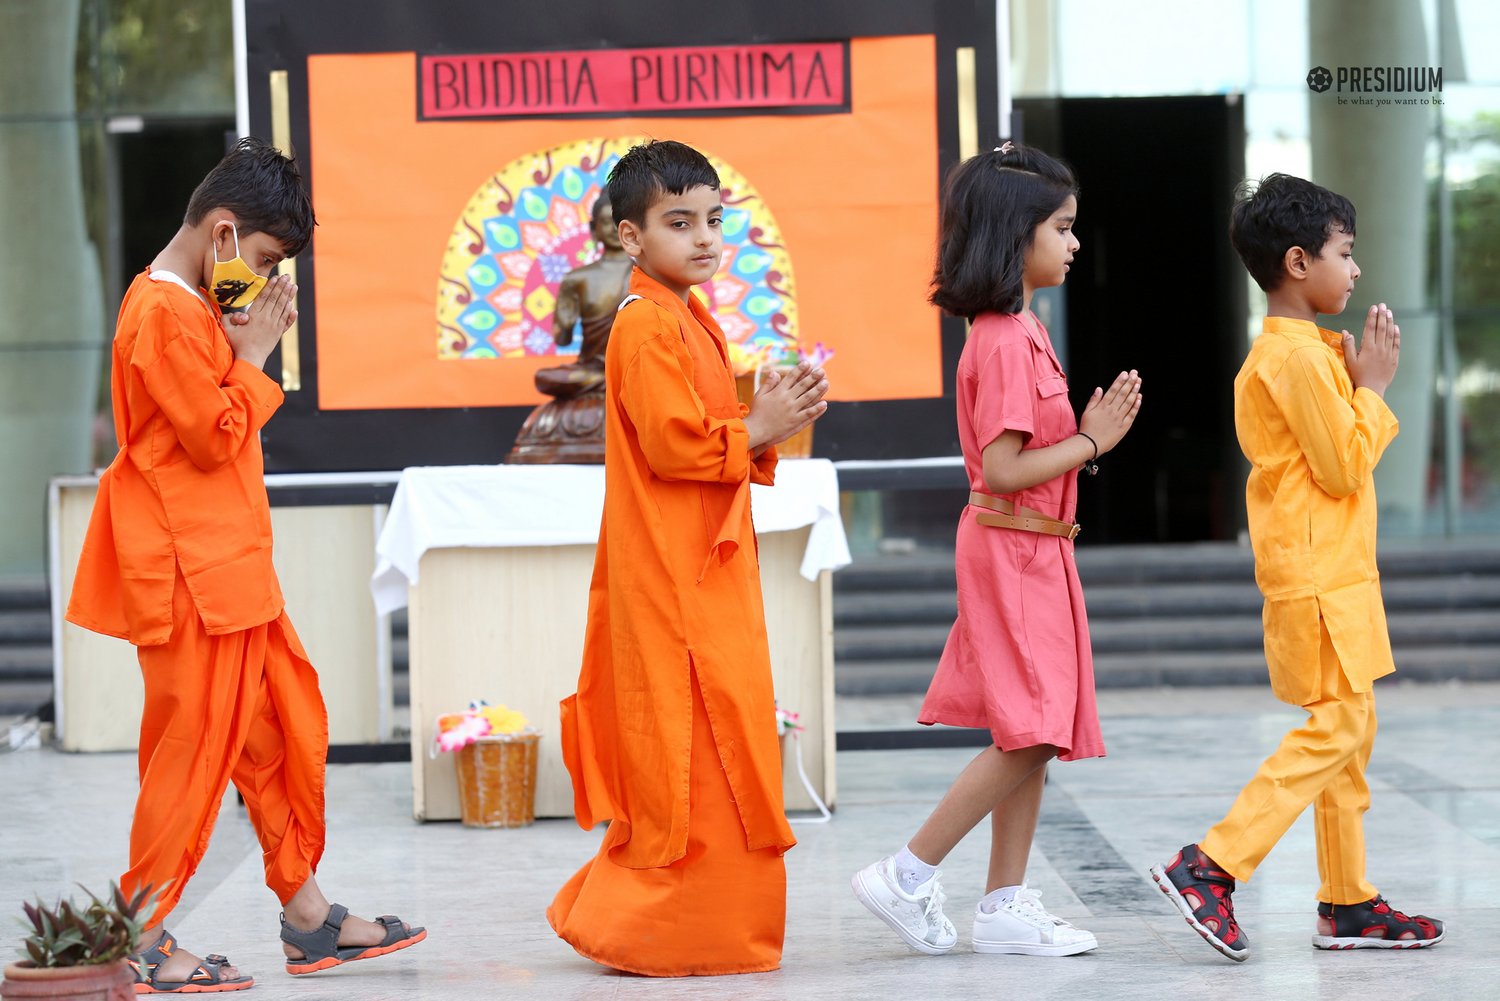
<point>1018,660</point>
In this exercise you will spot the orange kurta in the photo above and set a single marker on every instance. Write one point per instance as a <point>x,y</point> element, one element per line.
<point>177,560</point>
<point>186,490</point>
<point>676,635</point>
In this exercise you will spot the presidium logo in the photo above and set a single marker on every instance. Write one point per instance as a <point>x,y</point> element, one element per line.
<point>1378,86</point>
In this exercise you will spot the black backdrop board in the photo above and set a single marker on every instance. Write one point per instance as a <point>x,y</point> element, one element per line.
<point>282,34</point>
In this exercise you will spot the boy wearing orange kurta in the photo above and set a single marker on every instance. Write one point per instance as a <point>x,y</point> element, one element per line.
<point>177,560</point>
<point>1311,417</point>
<point>671,735</point>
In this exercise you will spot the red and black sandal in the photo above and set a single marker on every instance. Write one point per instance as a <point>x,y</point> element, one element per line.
<point>1373,924</point>
<point>1202,892</point>
<point>321,950</point>
<point>207,978</point>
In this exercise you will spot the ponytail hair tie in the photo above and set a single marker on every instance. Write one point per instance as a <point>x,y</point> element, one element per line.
<point>1006,147</point>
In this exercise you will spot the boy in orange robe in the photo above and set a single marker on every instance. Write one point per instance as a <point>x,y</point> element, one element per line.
<point>177,561</point>
<point>1311,417</point>
<point>671,735</point>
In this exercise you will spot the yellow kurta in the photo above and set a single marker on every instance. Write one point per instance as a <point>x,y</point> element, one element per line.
<point>1313,441</point>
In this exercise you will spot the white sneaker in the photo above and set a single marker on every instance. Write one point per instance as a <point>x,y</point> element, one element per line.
<point>1022,927</point>
<point>917,916</point>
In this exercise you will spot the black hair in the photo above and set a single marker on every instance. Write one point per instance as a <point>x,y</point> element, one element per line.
<point>1279,213</point>
<point>992,205</point>
<point>264,190</point>
<point>652,169</point>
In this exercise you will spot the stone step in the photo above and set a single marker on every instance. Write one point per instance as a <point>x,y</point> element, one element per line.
<point>1206,635</point>
<point>29,592</point>
<point>25,625</point>
<point>1427,664</point>
<point>26,662</point>
<point>23,698</point>
<point>1184,563</point>
<point>867,608</point>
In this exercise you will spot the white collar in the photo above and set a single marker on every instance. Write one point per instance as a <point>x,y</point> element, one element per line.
<point>162,275</point>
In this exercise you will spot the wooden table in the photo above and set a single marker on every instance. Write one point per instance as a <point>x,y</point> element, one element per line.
<point>505,623</point>
<point>324,556</point>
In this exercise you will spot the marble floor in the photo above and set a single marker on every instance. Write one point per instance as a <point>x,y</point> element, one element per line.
<point>1177,757</point>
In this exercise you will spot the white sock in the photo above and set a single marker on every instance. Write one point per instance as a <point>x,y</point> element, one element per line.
<point>912,872</point>
<point>996,899</point>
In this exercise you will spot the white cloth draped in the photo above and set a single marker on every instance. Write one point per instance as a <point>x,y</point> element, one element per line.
<point>437,507</point>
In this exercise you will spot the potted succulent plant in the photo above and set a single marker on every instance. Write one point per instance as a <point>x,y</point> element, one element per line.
<point>79,951</point>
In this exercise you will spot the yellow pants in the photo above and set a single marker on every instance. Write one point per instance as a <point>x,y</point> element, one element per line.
<point>1323,763</point>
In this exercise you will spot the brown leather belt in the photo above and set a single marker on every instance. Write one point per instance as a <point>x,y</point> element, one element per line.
<point>1024,519</point>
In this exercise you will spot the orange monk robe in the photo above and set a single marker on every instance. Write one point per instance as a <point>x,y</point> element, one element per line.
<point>671,735</point>
<point>177,560</point>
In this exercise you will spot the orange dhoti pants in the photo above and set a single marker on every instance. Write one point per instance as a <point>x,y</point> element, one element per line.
<point>1323,763</point>
<point>718,909</point>
<point>241,707</point>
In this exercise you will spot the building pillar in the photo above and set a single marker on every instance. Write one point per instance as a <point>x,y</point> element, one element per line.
<point>50,297</point>
<point>1375,155</point>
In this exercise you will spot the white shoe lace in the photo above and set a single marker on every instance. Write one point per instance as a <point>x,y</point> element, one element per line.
<point>1031,900</point>
<point>932,911</point>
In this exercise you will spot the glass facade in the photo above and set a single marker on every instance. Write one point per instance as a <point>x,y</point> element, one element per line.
<point>110,111</point>
<point>1422,165</point>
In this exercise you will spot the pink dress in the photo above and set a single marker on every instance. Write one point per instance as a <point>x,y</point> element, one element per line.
<point>1018,661</point>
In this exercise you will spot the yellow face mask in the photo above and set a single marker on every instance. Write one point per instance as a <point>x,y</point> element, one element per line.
<point>235,284</point>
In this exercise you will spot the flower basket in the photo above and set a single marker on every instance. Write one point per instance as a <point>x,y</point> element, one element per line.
<point>495,756</point>
<point>497,780</point>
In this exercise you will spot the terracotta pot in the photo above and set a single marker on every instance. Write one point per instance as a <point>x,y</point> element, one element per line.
<point>103,982</point>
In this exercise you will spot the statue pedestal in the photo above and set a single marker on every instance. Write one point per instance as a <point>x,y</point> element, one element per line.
<point>562,431</point>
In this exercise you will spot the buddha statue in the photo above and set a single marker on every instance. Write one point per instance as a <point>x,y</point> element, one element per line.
<point>570,427</point>
<point>588,297</point>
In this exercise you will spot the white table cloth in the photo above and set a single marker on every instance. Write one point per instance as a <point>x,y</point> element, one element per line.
<point>438,507</point>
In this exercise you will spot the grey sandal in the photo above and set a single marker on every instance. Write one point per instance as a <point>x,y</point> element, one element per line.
<point>207,978</point>
<point>321,950</point>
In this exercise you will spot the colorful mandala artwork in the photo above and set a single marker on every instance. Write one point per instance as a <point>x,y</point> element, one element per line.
<point>528,226</point>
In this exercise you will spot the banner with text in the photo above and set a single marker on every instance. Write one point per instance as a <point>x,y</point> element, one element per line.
<point>803,77</point>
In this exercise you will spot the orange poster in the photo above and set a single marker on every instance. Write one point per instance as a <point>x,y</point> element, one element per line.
<point>442,237</point>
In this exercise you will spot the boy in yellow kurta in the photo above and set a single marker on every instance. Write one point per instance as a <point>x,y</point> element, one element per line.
<point>671,735</point>
<point>1310,414</point>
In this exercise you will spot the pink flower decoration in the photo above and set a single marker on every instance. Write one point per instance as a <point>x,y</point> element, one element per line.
<point>469,729</point>
<point>788,721</point>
